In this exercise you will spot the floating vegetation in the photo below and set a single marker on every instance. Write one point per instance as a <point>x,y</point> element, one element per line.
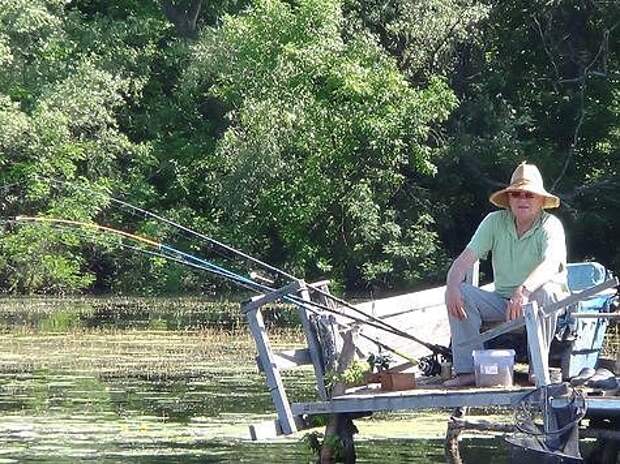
<point>119,380</point>
<point>120,313</point>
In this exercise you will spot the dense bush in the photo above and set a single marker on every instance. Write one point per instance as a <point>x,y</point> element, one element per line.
<point>340,138</point>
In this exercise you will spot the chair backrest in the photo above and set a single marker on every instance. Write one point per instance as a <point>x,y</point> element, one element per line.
<point>585,275</point>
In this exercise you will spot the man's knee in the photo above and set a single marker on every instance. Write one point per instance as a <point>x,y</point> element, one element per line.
<point>468,290</point>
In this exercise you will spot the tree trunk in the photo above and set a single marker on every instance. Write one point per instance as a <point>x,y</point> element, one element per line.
<point>184,20</point>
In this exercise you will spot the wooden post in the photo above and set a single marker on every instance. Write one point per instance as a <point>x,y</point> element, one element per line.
<point>539,355</point>
<point>274,380</point>
<point>313,346</point>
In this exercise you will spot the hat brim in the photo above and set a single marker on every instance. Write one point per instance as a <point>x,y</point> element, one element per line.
<point>500,198</point>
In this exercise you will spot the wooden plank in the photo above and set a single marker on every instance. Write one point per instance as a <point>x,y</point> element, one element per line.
<point>257,302</point>
<point>274,381</point>
<point>548,309</point>
<point>314,347</point>
<point>271,429</point>
<point>539,356</point>
<point>289,359</point>
<point>400,401</point>
<point>430,299</point>
<point>396,305</point>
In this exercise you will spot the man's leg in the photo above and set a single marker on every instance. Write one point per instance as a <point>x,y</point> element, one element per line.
<point>550,292</point>
<point>480,305</point>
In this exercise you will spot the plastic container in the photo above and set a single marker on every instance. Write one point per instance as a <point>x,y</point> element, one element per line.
<point>494,367</point>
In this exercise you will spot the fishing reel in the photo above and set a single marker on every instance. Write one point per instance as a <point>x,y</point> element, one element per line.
<point>430,366</point>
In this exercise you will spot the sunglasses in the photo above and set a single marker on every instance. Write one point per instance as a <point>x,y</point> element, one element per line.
<point>528,195</point>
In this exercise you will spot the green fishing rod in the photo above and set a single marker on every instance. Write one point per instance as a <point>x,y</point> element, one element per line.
<point>175,255</point>
<point>437,349</point>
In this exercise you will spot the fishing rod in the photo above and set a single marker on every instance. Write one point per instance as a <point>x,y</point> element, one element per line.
<point>193,261</point>
<point>431,346</point>
<point>438,349</point>
<point>198,263</point>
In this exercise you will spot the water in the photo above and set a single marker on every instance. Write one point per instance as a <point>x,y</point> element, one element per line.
<point>81,385</point>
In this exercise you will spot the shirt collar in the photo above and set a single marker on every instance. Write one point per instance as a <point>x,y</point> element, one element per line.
<point>530,231</point>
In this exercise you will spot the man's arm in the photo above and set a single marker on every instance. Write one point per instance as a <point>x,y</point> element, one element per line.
<point>537,278</point>
<point>456,275</point>
<point>554,257</point>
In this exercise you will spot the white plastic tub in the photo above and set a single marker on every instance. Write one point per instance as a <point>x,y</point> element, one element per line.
<point>494,367</point>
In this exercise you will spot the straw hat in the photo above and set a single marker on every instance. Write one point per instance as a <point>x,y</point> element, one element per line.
<point>526,178</point>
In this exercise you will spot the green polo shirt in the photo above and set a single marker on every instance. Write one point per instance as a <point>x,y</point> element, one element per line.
<point>514,258</point>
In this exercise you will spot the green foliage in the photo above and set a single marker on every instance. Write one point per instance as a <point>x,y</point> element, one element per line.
<point>313,441</point>
<point>321,132</point>
<point>425,36</point>
<point>41,259</point>
<point>355,139</point>
<point>59,114</point>
<point>352,375</point>
<point>333,442</point>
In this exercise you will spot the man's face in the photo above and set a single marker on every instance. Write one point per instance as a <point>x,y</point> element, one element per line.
<point>525,205</point>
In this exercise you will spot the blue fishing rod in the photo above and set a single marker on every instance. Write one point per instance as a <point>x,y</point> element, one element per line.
<point>181,257</point>
<point>437,349</point>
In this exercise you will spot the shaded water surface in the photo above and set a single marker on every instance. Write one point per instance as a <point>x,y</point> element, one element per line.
<point>170,381</point>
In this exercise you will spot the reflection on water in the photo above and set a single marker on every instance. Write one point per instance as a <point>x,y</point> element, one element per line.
<point>143,386</point>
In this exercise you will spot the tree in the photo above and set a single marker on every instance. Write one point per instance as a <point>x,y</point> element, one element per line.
<point>321,134</point>
<point>542,86</point>
<point>58,108</point>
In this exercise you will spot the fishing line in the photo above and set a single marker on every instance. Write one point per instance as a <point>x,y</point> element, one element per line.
<point>433,347</point>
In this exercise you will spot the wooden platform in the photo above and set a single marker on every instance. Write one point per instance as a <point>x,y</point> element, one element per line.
<point>369,400</point>
<point>423,311</point>
<point>435,397</point>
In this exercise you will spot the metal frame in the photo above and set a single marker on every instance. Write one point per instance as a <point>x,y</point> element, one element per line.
<point>271,362</point>
<point>290,416</point>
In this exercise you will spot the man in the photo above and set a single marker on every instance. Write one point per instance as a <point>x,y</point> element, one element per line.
<point>528,250</point>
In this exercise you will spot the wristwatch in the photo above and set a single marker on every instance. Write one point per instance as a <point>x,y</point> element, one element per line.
<point>525,291</point>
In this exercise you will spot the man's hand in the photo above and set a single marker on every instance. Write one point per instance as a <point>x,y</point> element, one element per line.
<point>519,298</point>
<point>454,302</point>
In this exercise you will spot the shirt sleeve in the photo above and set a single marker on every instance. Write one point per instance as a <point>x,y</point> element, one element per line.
<point>554,242</point>
<point>482,241</point>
